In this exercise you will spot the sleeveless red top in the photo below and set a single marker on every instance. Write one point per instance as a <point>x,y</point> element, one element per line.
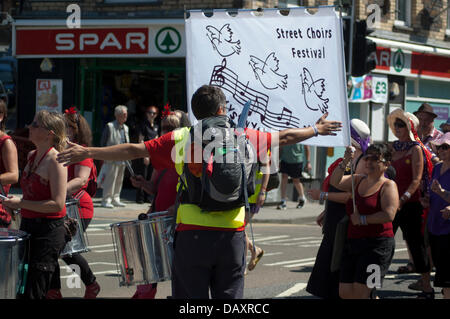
<point>86,205</point>
<point>403,176</point>
<point>368,205</point>
<point>4,216</point>
<point>35,188</point>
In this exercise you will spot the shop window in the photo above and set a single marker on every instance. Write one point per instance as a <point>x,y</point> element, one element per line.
<point>411,88</point>
<point>290,3</point>
<point>434,89</point>
<point>447,32</point>
<point>131,1</point>
<point>403,13</point>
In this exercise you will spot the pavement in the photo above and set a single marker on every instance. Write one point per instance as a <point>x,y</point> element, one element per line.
<point>267,214</point>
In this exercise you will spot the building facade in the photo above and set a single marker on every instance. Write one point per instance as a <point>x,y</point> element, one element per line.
<point>133,52</point>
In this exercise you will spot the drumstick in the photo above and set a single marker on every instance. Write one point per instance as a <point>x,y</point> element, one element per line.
<point>130,169</point>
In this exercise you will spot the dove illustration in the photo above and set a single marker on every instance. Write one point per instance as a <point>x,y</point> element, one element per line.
<point>266,72</point>
<point>312,92</point>
<point>222,40</point>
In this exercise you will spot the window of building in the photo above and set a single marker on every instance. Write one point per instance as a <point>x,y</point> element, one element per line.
<point>132,1</point>
<point>448,20</point>
<point>290,3</point>
<point>403,13</point>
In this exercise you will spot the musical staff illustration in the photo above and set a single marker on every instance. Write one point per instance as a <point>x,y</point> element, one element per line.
<point>228,80</point>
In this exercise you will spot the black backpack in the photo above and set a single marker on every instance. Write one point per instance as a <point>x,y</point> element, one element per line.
<point>227,174</point>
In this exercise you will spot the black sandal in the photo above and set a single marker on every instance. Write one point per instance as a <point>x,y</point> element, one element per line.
<point>426,295</point>
<point>408,269</point>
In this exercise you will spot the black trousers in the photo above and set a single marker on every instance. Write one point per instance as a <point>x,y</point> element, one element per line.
<point>86,274</point>
<point>208,261</point>
<point>47,240</point>
<point>409,219</point>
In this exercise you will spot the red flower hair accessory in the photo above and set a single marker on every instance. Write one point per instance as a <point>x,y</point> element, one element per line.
<point>166,112</point>
<point>71,110</point>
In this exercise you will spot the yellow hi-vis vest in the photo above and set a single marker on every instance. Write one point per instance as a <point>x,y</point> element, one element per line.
<point>258,183</point>
<point>191,214</point>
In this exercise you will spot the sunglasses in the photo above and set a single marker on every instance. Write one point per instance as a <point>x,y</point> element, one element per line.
<point>373,158</point>
<point>151,113</point>
<point>399,124</point>
<point>443,147</point>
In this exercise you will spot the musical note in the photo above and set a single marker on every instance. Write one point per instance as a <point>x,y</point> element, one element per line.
<point>228,81</point>
<point>282,113</point>
<point>217,76</point>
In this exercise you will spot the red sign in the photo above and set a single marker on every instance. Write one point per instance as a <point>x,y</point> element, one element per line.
<point>429,64</point>
<point>383,58</point>
<point>121,41</point>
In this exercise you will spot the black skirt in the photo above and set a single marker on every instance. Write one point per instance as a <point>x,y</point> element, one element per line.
<point>323,283</point>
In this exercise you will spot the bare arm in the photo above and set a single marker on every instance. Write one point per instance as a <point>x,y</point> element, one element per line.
<point>80,179</point>
<point>296,135</point>
<point>338,197</point>
<point>120,152</point>
<point>10,162</point>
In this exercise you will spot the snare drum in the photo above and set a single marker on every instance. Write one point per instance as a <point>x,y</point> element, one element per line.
<point>79,242</point>
<point>143,249</point>
<point>13,252</point>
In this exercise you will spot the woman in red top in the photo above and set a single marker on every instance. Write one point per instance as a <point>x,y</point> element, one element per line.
<point>42,206</point>
<point>412,162</point>
<point>163,185</point>
<point>9,171</point>
<point>370,240</point>
<point>79,175</point>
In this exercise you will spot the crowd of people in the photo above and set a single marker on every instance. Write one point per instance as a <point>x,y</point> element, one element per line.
<point>404,185</point>
<point>372,191</point>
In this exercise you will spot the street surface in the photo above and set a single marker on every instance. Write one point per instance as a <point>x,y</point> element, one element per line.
<point>283,272</point>
<point>290,240</point>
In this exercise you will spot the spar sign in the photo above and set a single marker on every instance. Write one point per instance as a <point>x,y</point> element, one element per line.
<point>290,67</point>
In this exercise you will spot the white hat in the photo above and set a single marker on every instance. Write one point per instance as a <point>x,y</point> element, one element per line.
<point>361,129</point>
<point>406,117</point>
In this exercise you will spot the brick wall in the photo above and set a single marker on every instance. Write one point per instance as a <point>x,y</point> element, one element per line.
<point>435,31</point>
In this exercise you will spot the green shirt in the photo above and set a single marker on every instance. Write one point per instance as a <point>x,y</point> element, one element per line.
<point>292,153</point>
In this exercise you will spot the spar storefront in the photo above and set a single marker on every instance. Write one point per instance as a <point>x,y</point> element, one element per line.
<point>406,76</point>
<point>98,66</point>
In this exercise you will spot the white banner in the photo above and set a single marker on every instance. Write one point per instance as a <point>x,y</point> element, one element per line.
<point>291,67</point>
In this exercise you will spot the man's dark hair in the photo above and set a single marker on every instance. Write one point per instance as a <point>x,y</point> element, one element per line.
<point>206,101</point>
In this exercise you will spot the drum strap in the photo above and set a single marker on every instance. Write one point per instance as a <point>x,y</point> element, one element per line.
<point>79,195</point>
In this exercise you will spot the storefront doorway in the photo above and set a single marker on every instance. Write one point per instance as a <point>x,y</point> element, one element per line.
<point>136,83</point>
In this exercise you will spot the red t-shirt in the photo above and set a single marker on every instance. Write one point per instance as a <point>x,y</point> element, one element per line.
<point>167,189</point>
<point>160,152</point>
<point>35,188</point>
<point>368,205</point>
<point>86,205</point>
<point>4,216</point>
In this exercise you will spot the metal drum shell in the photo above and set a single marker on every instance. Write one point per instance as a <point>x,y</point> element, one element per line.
<point>78,243</point>
<point>13,252</point>
<point>144,250</point>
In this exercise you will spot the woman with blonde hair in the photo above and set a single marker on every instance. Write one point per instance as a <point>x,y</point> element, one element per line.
<point>9,171</point>
<point>44,187</point>
<point>79,175</point>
